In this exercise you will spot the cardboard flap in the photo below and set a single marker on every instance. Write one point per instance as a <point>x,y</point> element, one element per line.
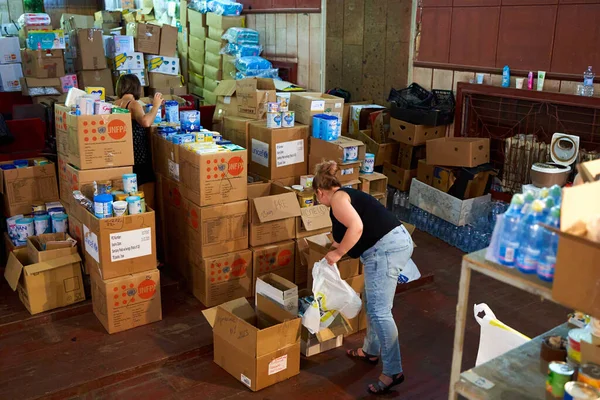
<point>14,267</point>
<point>236,331</point>
<point>273,208</point>
<point>226,88</point>
<point>51,264</point>
<point>316,217</point>
<point>589,170</point>
<point>319,243</point>
<point>268,310</point>
<point>237,304</point>
<point>250,85</point>
<point>578,204</point>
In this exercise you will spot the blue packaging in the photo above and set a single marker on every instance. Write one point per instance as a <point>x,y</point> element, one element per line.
<point>171,111</point>
<point>506,76</point>
<point>225,7</point>
<point>237,35</point>
<point>167,131</point>
<point>316,127</point>
<point>329,128</point>
<point>183,138</point>
<point>158,118</point>
<point>190,121</point>
<point>244,64</point>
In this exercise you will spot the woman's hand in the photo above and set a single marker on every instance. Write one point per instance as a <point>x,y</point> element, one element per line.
<point>158,99</point>
<point>333,257</point>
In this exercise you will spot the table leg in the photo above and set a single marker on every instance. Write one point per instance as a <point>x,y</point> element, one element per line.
<point>459,330</point>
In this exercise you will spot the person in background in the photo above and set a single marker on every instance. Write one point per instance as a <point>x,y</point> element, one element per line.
<point>129,90</point>
<point>363,227</point>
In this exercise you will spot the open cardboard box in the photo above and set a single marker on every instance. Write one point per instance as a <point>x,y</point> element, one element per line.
<point>246,98</point>
<point>577,271</point>
<point>278,259</point>
<point>259,347</point>
<point>280,290</point>
<point>50,246</point>
<point>305,105</point>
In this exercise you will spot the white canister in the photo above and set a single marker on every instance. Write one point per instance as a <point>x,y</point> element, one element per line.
<point>134,205</point>
<point>287,119</point>
<point>60,223</point>
<point>350,153</point>
<point>41,224</point>
<point>368,165</point>
<point>12,225</point>
<point>274,120</point>
<point>25,228</point>
<point>130,183</point>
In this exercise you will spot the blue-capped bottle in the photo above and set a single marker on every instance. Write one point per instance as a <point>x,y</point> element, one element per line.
<point>509,233</point>
<point>547,260</point>
<point>506,76</point>
<point>555,192</point>
<point>531,239</point>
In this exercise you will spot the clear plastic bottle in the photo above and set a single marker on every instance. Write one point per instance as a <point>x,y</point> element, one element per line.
<point>555,192</point>
<point>509,234</point>
<point>547,260</point>
<point>396,203</point>
<point>531,239</point>
<point>588,82</point>
<point>528,198</point>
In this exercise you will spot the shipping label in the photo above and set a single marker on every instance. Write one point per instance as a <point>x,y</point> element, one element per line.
<point>317,105</point>
<point>130,244</point>
<point>260,153</point>
<point>174,170</point>
<point>91,243</point>
<point>288,153</point>
<point>278,365</point>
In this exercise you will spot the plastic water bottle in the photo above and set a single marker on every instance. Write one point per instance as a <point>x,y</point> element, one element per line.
<point>509,235</point>
<point>396,203</point>
<point>528,198</point>
<point>555,192</point>
<point>548,205</point>
<point>588,82</point>
<point>531,239</point>
<point>547,260</point>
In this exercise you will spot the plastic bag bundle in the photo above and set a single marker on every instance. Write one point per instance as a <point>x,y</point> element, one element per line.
<point>242,50</point>
<point>333,296</point>
<point>241,36</point>
<point>199,5</point>
<point>34,19</point>
<point>225,7</point>
<point>244,64</point>
<point>272,73</point>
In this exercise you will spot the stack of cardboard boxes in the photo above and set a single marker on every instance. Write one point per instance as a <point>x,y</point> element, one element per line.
<point>10,64</point>
<point>123,59</point>
<point>93,74</point>
<point>119,252</point>
<point>109,22</point>
<point>69,23</point>
<point>197,32</point>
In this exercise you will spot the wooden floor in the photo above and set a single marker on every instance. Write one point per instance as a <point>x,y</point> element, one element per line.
<point>70,356</point>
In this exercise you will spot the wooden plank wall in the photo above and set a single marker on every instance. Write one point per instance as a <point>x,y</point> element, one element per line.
<point>294,38</point>
<point>367,46</point>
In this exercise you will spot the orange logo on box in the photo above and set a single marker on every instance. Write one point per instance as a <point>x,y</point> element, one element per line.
<point>117,129</point>
<point>238,267</point>
<point>284,257</point>
<point>235,166</point>
<point>176,197</point>
<point>146,289</point>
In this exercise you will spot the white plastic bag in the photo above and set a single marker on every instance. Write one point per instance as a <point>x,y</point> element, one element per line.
<point>409,273</point>
<point>496,338</point>
<point>332,296</point>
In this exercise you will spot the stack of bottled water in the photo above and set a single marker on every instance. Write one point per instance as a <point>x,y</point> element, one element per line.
<point>468,238</point>
<point>523,243</point>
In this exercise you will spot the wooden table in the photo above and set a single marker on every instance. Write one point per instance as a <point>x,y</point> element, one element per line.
<point>476,262</point>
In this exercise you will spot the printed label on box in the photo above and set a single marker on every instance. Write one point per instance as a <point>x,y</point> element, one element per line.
<point>260,153</point>
<point>317,105</point>
<point>288,153</point>
<point>91,243</point>
<point>278,365</point>
<point>130,244</point>
<point>245,380</point>
<point>174,170</point>
<point>227,100</point>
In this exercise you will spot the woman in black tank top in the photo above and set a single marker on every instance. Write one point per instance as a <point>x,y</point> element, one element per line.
<point>363,227</point>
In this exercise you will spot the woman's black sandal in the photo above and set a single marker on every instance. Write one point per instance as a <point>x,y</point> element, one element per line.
<point>373,360</point>
<point>382,388</point>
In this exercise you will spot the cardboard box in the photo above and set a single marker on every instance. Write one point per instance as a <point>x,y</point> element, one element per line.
<point>119,44</point>
<point>50,246</point>
<point>425,172</point>
<point>209,97</point>
<point>384,152</point>
<point>272,214</point>
<point>210,84</point>
<point>168,41</point>
<point>414,135</point>
<point>409,156</point>
<point>229,69</point>
<point>458,152</point>
<point>226,182</point>
<point>43,63</point>
<point>215,46</point>
<point>447,207</point>
<point>9,50</point>
<point>319,246</point>
<point>95,141</point>
<point>9,247</point>
<point>221,278</point>
<point>334,150</point>
<point>118,246</point>
<point>279,290</point>
<point>147,38</point>
<point>214,60</point>
<point>278,153</point>
<point>236,129</point>
<point>278,259</point>
<point>196,20</point>
<point>10,75</point>
<point>83,180</point>
<point>108,16</point>
<point>89,49</point>
<point>45,285</point>
<point>198,31</point>
<point>312,347</point>
<point>305,105</point>
<point>97,78</point>
<point>127,301</point>
<point>197,81</point>
<point>215,33</point>
<point>301,273</point>
<point>162,64</point>
<point>399,178</point>
<point>269,354</point>
<point>196,62</point>
<point>348,172</point>
<point>74,21</point>
<point>244,98</point>
<point>158,80</point>
<point>212,72</point>
<point>127,60</point>
<point>444,178</point>
<point>28,86</point>
<point>172,91</point>
<point>76,232</point>
<point>24,186</point>
<point>375,183</point>
<point>225,22</point>
<point>198,44</point>
<point>576,273</point>
<point>313,221</point>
